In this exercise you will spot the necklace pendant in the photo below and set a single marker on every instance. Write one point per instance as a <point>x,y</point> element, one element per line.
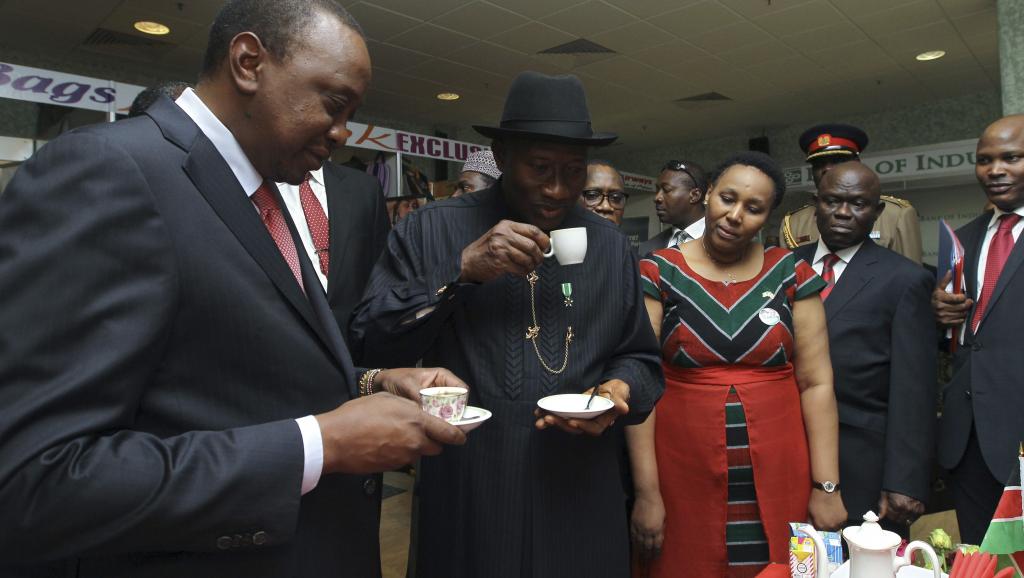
<point>569,335</point>
<point>533,332</point>
<point>532,278</point>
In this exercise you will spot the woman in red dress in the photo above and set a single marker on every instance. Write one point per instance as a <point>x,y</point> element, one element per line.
<point>748,423</point>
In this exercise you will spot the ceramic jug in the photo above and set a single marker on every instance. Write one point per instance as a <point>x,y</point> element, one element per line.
<point>872,551</point>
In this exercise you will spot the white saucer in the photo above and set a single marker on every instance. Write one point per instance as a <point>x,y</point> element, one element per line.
<point>573,405</point>
<point>472,418</point>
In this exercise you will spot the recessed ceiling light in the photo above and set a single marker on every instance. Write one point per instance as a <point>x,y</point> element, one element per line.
<point>154,28</point>
<point>931,55</point>
<point>448,96</point>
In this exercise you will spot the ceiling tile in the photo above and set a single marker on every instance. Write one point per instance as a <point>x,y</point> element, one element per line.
<point>629,73</point>
<point>379,23</point>
<point>984,22</point>
<point>755,9</point>
<point>649,8</point>
<point>900,18</point>
<point>201,13</point>
<point>805,17</point>
<point>387,81</point>
<point>480,19</point>
<point>936,36</point>
<point>536,9</point>
<point>459,77</point>
<point>82,13</point>
<point>839,34</point>
<point>587,19</point>
<point>420,10</point>
<point>532,38</point>
<point>632,38</point>
<point>955,8</point>
<point>985,47</point>
<point>433,40</point>
<point>25,30</point>
<point>865,7</point>
<point>488,56</point>
<point>730,37</point>
<point>757,53</point>
<point>696,19</point>
<point>391,57</point>
<point>670,57</point>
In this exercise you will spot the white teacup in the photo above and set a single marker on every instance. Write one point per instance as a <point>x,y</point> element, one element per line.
<point>569,246</point>
<point>447,403</point>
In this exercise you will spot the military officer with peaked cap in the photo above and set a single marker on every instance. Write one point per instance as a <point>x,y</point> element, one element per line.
<point>827,145</point>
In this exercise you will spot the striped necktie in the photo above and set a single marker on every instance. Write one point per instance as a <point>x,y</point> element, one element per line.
<point>828,274</point>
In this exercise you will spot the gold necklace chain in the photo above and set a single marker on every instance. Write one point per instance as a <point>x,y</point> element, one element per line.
<point>533,332</point>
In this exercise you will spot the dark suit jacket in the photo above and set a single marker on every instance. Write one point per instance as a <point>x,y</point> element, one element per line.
<point>359,232</point>
<point>155,350</point>
<point>882,345</point>
<point>986,389</point>
<point>659,241</point>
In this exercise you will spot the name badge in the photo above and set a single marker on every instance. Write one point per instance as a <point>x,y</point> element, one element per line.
<point>769,316</point>
<point>875,235</point>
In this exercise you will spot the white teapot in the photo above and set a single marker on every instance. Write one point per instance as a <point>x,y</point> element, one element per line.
<point>872,551</point>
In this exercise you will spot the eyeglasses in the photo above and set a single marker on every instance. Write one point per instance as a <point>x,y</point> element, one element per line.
<point>617,199</point>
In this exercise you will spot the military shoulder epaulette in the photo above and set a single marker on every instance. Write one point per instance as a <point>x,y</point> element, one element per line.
<point>897,201</point>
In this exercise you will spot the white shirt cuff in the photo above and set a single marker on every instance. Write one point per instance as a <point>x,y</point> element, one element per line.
<point>313,446</point>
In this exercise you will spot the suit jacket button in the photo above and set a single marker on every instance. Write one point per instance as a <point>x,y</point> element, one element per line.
<point>259,538</point>
<point>370,487</point>
<point>976,346</point>
<point>967,394</point>
<point>224,542</point>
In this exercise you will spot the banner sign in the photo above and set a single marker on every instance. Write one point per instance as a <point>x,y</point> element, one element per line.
<point>638,182</point>
<point>49,87</point>
<point>378,138</point>
<point>943,159</point>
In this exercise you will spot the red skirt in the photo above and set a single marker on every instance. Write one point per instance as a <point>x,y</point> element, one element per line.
<point>693,470</point>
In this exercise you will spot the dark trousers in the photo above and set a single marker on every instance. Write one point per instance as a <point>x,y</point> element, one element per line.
<point>976,493</point>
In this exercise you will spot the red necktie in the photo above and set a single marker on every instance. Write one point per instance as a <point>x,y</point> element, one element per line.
<point>316,219</point>
<point>273,219</point>
<point>998,251</point>
<point>828,274</point>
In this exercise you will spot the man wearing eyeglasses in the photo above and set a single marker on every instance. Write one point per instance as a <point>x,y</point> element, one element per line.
<point>679,202</point>
<point>604,194</point>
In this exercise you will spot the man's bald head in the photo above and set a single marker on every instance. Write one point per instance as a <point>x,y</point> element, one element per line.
<point>853,176</point>
<point>847,204</point>
<point>999,163</point>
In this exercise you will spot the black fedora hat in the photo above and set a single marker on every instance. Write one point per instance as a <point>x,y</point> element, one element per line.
<point>549,108</point>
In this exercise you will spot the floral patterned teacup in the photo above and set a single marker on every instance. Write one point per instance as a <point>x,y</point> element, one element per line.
<point>447,403</point>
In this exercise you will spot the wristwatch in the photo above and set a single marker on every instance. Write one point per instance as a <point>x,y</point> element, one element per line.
<point>827,486</point>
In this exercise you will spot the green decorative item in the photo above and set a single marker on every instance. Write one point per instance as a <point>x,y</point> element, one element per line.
<point>567,291</point>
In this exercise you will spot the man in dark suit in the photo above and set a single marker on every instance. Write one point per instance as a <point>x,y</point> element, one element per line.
<point>983,404</point>
<point>882,346</point>
<point>176,398</point>
<point>679,202</point>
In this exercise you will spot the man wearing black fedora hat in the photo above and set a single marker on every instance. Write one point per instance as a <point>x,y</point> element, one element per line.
<point>464,284</point>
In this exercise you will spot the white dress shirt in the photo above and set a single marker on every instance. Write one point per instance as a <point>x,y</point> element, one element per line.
<point>290,194</point>
<point>844,258</point>
<point>694,230</point>
<point>993,225</point>
<point>250,180</point>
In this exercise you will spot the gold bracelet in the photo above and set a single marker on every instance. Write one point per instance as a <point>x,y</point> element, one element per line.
<point>366,382</point>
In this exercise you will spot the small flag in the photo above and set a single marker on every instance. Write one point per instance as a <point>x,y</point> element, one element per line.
<point>1005,535</point>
